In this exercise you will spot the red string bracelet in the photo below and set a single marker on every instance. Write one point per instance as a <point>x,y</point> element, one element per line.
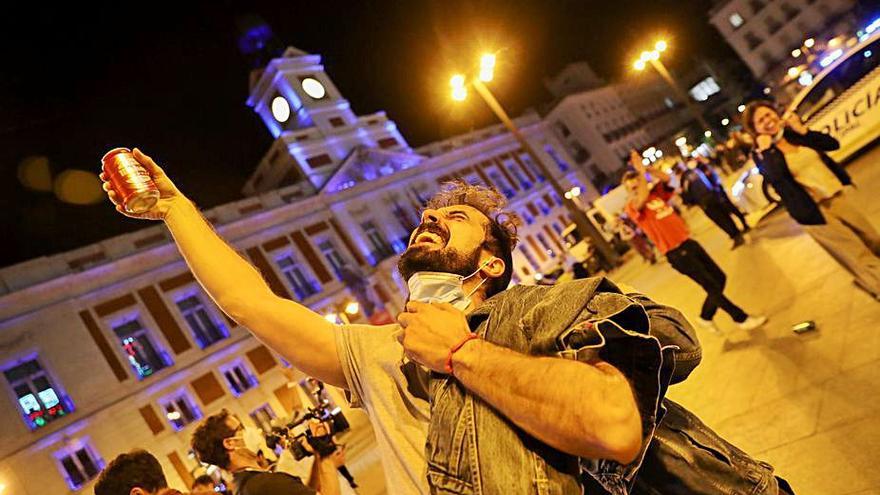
<point>455,348</point>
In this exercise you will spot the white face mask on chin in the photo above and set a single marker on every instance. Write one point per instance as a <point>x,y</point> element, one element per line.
<point>443,287</point>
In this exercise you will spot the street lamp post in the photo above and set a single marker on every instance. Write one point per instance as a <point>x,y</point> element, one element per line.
<point>608,256</point>
<point>653,57</point>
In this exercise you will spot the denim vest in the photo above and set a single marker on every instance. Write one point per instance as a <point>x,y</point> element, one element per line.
<point>473,449</point>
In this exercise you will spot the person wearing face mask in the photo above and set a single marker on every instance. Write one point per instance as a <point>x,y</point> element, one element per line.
<point>478,387</point>
<point>133,473</point>
<point>813,188</point>
<point>223,441</point>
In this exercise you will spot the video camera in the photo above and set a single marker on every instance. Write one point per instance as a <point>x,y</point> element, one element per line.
<point>319,434</point>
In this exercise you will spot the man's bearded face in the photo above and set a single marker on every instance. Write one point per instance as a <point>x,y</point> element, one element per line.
<point>448,240</point>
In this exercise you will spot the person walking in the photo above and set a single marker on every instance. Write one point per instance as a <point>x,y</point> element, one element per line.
<point>812,186</point>
<point>709,170</point>
<point>697,189</point>
<point>649,208</point>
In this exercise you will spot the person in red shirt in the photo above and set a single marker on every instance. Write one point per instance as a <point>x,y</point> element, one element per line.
<point>649,207</point>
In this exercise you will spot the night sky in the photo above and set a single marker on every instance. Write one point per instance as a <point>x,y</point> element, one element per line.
<point>76,82</point>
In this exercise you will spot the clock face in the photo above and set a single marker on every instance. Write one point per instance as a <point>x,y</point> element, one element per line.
<point>280,109</point>
<point>313,88</point>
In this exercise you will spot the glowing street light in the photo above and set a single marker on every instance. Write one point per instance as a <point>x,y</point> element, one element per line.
<point>487,67</point>
<point>809,42</point>
<point>352,308</point>
<point>653,57</point>
<point>459,91</point>
<point>708,134</point>
<point>681,141</point>
<point>331,317</point>
<point>741,108</point>
<point>725,121</point>
<point>460,83</point>
<point>793,72</point>
<point>796,53</point>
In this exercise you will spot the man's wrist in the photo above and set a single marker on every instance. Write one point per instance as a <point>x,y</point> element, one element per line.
<point>177,206</point>
<point>464,359</point>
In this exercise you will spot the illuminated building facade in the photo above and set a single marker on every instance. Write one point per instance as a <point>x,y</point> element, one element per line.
<point>114,346</point>
<point>766,33</point>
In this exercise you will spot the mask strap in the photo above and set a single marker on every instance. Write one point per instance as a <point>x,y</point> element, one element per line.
<point>475,289</point>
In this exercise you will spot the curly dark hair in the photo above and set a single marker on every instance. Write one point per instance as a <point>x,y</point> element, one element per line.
<point>135,469</point>
<point>500,233</point>
<point>207,440</point>
<point>748,116</point>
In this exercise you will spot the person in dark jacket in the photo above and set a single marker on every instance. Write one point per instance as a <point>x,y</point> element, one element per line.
<point>698,189</point>
<point>708,168</point>
<point>812,187</point>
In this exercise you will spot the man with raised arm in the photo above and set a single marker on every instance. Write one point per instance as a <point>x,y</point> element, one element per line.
<point>478,388</point>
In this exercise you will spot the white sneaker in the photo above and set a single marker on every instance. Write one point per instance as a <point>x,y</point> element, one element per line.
<point>709,325</point>
<point>753,322</point>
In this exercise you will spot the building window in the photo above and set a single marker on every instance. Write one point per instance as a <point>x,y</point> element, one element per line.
<point>527,160</point>
<point>772,25</point>
<point>752,40</point>
<point>518,174</point>
<point>563,167</point>
<point>387,142</point>
<point>204,328</point>
<point>337,122</point>
<point>735,20</point>
<point>563,129</point>
<point>303,285</point>
<point>546,245</point>
<point>543,206</point>
<point>319,160</point>
<point>500,182</point>
<point>531,259</point>
<point>789,11</point>
<point>79,463</point>
<point>143,356</point>
<point>756,5</point>
<point>380,247</point>
<point>238,377</point>
<point>528,217</point>
<point>39,401</point>
<point>180,410</point>
<point>331,254</point>
<point>263,417</point>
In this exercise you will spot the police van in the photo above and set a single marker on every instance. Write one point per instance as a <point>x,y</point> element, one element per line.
<point>843,100</point>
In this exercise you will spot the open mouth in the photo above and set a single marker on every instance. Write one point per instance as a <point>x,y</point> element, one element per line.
<point>428,237</point>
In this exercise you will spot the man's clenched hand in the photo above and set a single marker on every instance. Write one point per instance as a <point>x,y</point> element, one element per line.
<point>430,330</point>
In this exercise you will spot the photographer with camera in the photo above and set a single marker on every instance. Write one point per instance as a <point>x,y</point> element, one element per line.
<point>314,428</point>
<point>223,441</point>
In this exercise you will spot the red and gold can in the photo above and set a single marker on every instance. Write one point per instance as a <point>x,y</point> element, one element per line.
<point>129,180</point>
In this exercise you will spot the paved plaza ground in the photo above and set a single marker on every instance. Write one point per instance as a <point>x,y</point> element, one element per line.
<point>809,404</point>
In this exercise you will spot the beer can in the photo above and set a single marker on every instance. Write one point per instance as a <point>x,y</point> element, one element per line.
<point>129,180</point>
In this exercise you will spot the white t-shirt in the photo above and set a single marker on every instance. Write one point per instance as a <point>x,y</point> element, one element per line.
<point>811,172</point>
<point>396,401</point>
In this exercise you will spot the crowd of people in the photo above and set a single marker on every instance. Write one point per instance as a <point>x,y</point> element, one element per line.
<point>482,387</point>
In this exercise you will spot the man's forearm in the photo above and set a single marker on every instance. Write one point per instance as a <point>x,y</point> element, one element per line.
<point>584,410</point>
<point>224,274</point>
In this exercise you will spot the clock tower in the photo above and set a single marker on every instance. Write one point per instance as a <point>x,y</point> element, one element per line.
<point>313,124</point>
